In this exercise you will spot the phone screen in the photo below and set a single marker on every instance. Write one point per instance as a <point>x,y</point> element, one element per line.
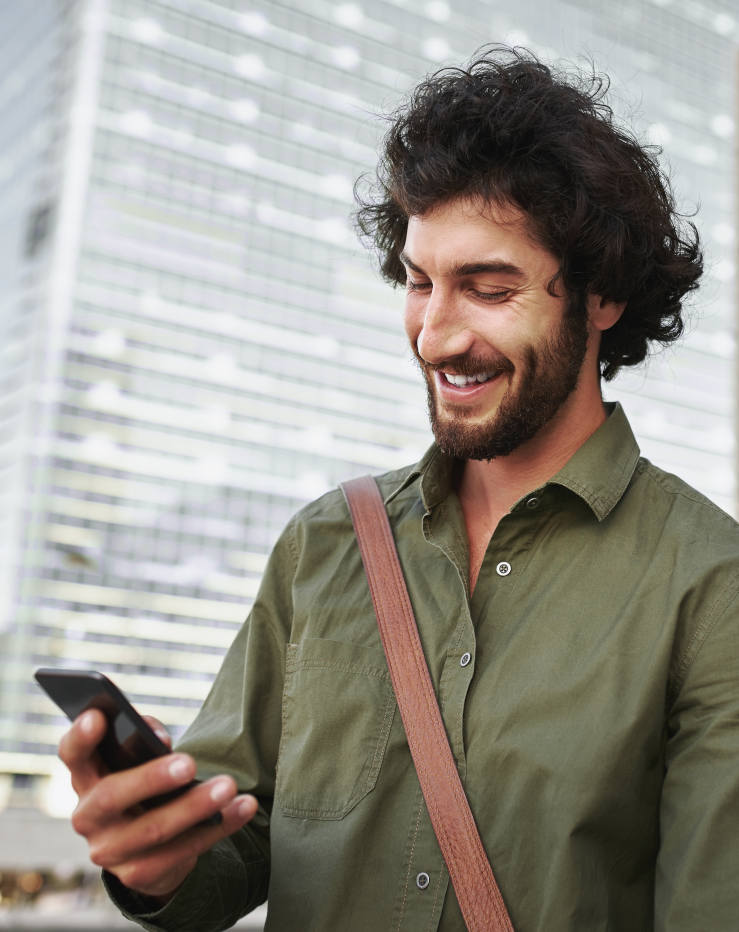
<point>124,745</point>
<point>129,740</point>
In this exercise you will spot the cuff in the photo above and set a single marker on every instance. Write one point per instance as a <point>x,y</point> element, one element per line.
<point>212,896</point>
<point>136,906</point>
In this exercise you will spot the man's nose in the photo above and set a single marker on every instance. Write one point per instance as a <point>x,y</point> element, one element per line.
<point>444,333</point>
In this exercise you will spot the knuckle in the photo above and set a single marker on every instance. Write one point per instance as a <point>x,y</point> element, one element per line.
<point>201,841</point>
<point>79,823</point>
<point>129,874</point>
<point>138,875</point>
<point>152,833</point>
<point>194,846</point>
<point>98,855</point>
<point>64,749</point>
<point>105,798</point>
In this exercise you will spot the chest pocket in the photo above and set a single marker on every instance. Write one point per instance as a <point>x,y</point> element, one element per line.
<point>337,709</point>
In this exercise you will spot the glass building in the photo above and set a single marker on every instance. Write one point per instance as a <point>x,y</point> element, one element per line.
<point>193,342</point>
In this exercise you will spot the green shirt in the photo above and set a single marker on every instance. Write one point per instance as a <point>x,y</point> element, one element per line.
<point>589,687</point>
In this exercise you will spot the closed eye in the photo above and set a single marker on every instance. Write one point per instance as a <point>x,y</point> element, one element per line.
<point>416,286</point>
<point>490,296</point>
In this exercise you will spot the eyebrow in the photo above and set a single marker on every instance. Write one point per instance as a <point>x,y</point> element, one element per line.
<point>494,266</point>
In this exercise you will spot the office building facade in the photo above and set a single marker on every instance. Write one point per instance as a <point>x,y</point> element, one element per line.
<point>194,342</point>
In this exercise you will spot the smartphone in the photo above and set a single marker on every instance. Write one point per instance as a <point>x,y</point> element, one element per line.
<point>129,740</point>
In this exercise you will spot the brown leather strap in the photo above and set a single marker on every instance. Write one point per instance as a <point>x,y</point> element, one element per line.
<point>477,892</point>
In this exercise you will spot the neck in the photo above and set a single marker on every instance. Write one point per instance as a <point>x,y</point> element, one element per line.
<point>492,487</point>
<point>488,490</point>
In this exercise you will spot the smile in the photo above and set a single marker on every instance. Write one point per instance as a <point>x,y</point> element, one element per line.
<point>461,381</point>
<point>453,388</point>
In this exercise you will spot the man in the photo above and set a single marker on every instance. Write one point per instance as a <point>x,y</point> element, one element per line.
<point>577,606</point>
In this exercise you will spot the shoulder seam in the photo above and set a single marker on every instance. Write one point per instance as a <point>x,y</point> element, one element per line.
<point>715,613</point>
<point>657,476</point>
<point>292,541</point>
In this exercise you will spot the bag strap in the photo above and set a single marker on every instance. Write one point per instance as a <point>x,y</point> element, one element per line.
<point>477,892</point>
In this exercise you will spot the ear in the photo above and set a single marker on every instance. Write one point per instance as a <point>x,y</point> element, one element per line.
<point>602,315</point>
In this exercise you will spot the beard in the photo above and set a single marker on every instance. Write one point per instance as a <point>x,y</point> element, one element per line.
<point>546,378</point>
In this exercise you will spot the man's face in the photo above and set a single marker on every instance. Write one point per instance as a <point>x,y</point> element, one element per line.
<point>501,356</point>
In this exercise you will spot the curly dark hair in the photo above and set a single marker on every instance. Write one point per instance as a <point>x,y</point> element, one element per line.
<point>511,130</point>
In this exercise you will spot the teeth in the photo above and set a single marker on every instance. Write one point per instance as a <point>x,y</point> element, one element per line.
<point>461,380</point>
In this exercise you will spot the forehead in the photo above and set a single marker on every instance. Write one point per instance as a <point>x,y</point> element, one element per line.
<point>457,231</point>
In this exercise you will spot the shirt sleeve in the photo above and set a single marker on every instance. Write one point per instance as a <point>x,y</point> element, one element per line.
<point>236,732</point>
<point>698,862</point>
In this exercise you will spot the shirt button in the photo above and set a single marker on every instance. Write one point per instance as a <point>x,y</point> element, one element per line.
<point>422,880</point>
<point>532,502</point>
<point>465,658</point>
<point>503,568</point>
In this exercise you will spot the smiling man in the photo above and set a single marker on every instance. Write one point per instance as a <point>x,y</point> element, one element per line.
<point>577,606</point>
<point>476,412</point>
<point>510,364</point>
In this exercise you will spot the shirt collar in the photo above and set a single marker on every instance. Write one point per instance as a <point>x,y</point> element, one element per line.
<point>436,471</point>
<point>598,473</point>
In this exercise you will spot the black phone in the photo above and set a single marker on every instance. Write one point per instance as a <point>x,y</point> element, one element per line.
<point>129,740</point>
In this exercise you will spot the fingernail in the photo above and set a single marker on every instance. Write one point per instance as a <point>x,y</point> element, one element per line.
<point>179,768</point>
<point>220,791</point>
<point>246,808</point>
<point>161,734</point>
<point>87,722</point>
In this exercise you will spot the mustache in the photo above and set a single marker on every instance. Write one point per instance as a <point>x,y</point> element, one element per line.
<point>468,365</point>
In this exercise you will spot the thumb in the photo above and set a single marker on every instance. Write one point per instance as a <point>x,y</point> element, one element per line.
<point>159,729</point>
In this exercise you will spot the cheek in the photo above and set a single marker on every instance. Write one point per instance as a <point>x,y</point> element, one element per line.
<point>412,320</point>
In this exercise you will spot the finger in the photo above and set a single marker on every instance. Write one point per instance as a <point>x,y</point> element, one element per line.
<point>159,871</point>
<point>117,793</point>
<point>122,840</point>
<point>159,730</point>
<point>77,749</point>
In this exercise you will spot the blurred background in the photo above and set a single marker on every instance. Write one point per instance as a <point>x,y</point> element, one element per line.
<point>193,343</point>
